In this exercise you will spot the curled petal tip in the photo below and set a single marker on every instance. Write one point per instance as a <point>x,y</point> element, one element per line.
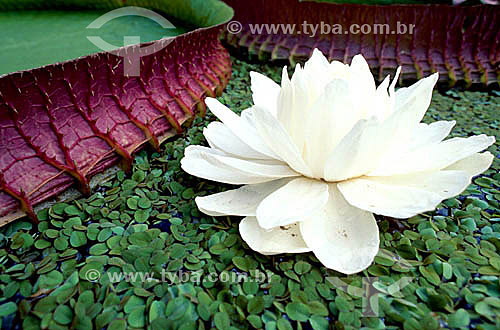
<point>396,76</point>
<point>212,103</point>
<point>316,50</point>
<point>394,81</point>
<point>317,55</point>
<point>360,62</point>
<point>358,57</point>
<point>211,100</point>
<point>254,75</point>
<point>284,75</point>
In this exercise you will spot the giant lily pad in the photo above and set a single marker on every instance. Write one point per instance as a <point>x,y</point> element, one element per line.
<point>459,42</point>
<point>62,123</point>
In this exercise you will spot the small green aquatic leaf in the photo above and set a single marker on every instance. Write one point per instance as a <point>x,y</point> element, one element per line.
<point>284,324</point>
<point>7,308</point>
<point>221,320</point>
<point>46,305</point>
<point>157,309</point>
<point>488,270</point>
<point>118,325</point>
<point>78,239</point>
<point>318,322</point>
<point>188,193</point>
<point>301,267</point>
<point>132,203</point>
<point>317,308</point>
<point>177,251</point>
<point>144,203</point>
<point>51,280</point>
<point>241,263</point>
<point>61,243</point>
<point>459,319</point>
<point>298,311</point>
<point>137,318</point>
<point>430,274</point>
<point>176,308</point>
<point>342,304</point>
<point>141,215</point>
<point>105,318</point>
<point>255,305</point>
<point>98,249</point>
<point>63,314</point>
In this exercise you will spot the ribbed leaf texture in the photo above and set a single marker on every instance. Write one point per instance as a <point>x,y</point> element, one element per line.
<point>462,43</point>
<point>63,123</point>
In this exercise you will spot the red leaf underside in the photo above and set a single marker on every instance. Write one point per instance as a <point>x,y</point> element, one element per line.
<point>63,123</point>
<point>462,43</point>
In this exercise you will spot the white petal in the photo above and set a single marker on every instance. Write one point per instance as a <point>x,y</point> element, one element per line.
<point>242,201</point>
<point>383,103</point>
<point>319,72</point>
<point>361,76</point>
<point>416,99</point>
<point>433,133</point>
<point>475,164</point>
<point>360,150</point>
<point>265,92</point>
<point>317,62</point>
<point>362,89</point>
<point>278,140</point>
<point>346,160</point>
<point>303,96</point>
<point>263,167</point>
<point>423,136</point>
<point>221,137</point>
<point>342,237</point>
<point>401,112</point>
<point>369,141</point>
<point>285,99</point>
<point>382,88</point>
<point>278,240</point>
<point>292,202</point>
<point>394,81</point>
<point>298,95</point>
<point>410,106</point>
<point>213,165</point>
<point>404,196</point>
<point>432,157</point>
<point>241,128</point>
<point>339,70</point>
<point>330,119</point>
<point>391,100</point>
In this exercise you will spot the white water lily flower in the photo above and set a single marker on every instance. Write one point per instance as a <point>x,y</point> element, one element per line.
<point>323,152</point>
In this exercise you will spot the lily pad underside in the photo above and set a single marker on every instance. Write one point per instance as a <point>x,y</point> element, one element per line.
<point>63,123</point>
<point>462,43</point>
